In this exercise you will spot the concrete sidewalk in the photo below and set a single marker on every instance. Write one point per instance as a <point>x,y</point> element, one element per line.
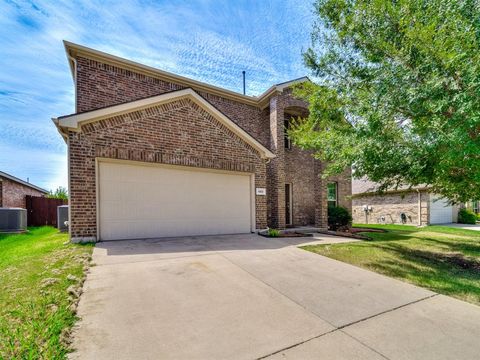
<point>475,227</point>
<point>249,297</point>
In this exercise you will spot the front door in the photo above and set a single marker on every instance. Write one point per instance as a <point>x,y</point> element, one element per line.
<point>288,204</point>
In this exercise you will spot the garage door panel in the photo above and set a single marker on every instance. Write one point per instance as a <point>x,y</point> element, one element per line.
<point>441,212</point>
<point>137,201</point>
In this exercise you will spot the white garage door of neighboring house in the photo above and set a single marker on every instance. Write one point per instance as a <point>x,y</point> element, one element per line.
<point>141,201</point>
<point>440,211</point>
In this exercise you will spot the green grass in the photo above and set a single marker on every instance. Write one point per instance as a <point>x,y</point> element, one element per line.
<point>439,258</point>
<point>36,311</point>
<point>385,227</point>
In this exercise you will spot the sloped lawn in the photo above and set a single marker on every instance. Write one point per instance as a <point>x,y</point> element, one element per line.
<point>445,260</point>
<point>40,278</point>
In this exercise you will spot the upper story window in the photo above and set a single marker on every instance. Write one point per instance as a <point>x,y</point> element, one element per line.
<point>332,194</point>
<point>286,127</point>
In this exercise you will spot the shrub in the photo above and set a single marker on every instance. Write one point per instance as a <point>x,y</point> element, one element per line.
<point>466,216</point>
<point>338,217</point>
<point>273,233</point>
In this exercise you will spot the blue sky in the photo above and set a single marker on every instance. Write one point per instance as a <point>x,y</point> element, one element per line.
<point>210,41</point>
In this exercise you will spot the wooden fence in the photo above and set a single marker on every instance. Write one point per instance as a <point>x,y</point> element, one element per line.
<point>42,211</point>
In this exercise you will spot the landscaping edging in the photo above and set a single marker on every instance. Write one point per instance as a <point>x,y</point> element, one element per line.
<point>285,234</point>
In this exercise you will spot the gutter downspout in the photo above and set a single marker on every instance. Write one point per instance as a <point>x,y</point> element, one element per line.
<point>419,208</point>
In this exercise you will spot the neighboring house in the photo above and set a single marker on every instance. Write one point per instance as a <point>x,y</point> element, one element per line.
<point>405,205</point>
<point>153,154</point>
<point>13,191</point>
<point>474,206</point>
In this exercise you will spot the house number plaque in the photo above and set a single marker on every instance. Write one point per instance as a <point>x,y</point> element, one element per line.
<point>261,191</point>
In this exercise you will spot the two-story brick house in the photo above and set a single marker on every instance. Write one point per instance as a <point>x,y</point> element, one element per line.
<point>153,154</point>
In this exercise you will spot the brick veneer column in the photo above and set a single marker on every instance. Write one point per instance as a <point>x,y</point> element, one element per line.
<point>277,165</point>
<point>425,208</point>
<point>321,202</point>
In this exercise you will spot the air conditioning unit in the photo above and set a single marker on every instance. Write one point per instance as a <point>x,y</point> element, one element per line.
<point>62,217</point>
<point>13,220</point>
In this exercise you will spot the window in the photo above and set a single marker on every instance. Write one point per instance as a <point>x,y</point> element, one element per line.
<point>332,194</point>
<point>476,207</point>
<point>286,127</point>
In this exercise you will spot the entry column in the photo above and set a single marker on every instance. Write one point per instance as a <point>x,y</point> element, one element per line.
<point>276,167</point>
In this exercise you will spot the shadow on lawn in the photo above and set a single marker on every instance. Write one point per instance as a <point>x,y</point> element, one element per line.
<point>450,261</point>
<point>387,236</point>
<point>447,273</point>
<point>460,246</point>
<point>460,283</point>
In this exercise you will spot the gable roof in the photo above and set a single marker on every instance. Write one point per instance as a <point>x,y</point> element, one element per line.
<point>75,50</point>
<point>20,181</point>
<point>74,122</point>
<point>365,186</point>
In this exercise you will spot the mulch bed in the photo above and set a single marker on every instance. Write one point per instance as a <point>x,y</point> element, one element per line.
<point>286,235</point>
<point>357,230</point>
<point>352,233</point>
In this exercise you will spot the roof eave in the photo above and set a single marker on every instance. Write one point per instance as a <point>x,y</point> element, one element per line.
<point>278,88</point>
<point>388,192</point>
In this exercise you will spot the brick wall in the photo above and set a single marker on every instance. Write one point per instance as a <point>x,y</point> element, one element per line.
<point>300,173</point>
<point>100,85</point>
<point>13,193</point>
<point>179,133</point>
<point>390,206</point>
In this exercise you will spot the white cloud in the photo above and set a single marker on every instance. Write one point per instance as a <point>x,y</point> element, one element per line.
<point>208,40</point>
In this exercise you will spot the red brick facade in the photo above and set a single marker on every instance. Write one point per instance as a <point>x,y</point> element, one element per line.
<point>183,133</point>
<point>12,194</point>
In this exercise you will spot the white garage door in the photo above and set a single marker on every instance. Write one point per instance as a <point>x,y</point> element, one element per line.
<point>440,211</point>
<point>141,201</point>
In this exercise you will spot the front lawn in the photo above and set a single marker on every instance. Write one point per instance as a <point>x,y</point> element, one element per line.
<point>40,278</point>
<point>439,258</point>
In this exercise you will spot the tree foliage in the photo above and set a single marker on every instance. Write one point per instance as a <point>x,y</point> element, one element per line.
<point>399,92</point>
<point>59,193</point>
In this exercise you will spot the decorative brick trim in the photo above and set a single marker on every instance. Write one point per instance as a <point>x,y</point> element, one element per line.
<point>134,116</point>
<point>172,159</point>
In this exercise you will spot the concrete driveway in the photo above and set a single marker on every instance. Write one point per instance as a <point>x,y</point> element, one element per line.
<point>475,227</point>
<point>248,297</point>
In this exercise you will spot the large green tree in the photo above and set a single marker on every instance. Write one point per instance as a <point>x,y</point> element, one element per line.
<point>399,92</point>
